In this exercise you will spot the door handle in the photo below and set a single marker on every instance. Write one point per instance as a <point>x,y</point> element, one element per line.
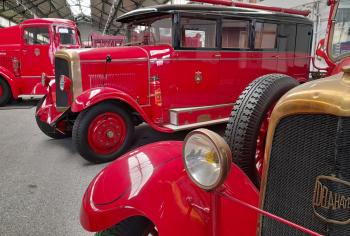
<point>217,55</point>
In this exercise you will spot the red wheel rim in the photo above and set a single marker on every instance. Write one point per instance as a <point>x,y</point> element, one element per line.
<point>260,143</point>
<point>106,133</point>
<point>1,92</point>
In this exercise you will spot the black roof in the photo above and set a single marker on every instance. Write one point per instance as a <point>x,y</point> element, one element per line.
<point>210,9</point>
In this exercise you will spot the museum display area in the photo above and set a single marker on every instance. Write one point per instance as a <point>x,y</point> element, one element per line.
<point>204,117</point>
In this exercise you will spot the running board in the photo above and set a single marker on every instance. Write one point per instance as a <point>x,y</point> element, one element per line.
<point>30,97</point>
<point>195,125</point>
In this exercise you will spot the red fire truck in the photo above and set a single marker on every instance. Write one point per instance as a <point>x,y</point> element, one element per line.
<point>27,54</point>
<point>194,188</point>
<point>183,66</point>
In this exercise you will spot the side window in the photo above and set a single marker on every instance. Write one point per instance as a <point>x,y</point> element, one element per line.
<point>265,35</point>
<point>235,34</point>
<point>197,33</point>
<point>286,37</point>
<point>35,36</point>
<point>304,38</point>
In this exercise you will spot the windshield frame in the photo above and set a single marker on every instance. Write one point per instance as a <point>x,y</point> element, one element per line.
<point>135,21</point>
<point>331,35</point>
<point>58,35</point>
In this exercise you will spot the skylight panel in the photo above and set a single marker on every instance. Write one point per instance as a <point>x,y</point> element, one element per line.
<point>80,7</point>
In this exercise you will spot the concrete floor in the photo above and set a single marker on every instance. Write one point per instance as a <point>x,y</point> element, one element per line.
<point>42,180</point>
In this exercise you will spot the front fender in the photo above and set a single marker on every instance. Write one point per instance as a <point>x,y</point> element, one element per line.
<point>151,181</point>
<point>11,80</point>
<point>96,95</point>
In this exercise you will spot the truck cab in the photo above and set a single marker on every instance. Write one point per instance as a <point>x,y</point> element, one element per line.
<point>27,54</point>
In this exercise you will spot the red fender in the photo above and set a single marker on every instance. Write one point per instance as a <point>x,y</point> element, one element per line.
<point>11,80</point>
<point>151,182</point>
<point>95,95</point>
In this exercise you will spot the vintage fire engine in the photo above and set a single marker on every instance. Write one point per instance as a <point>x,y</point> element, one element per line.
<point>182,68</point>
<point>27,53</point>
<point>193,188</point>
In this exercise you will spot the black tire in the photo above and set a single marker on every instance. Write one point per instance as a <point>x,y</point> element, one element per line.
<point>81,127</point>
<point>6,92</point>
<point>247,115</point>
<point>46,128</point>
<point>135,226</point>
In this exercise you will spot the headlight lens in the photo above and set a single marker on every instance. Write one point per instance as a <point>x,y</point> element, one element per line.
<point>62,81</point>
<point>207,158</point>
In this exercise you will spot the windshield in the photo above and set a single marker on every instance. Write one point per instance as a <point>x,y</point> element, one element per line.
<point>340,43</point>
<point>67,36</point>
<point>149,32</point>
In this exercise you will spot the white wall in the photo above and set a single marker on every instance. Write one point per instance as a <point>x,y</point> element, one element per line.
<point>86,29</point>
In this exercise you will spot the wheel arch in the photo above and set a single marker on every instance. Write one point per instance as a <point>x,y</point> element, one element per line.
<point>10,79</point>
<point>96,96</point>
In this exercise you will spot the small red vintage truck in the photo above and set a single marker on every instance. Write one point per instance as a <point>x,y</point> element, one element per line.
<point>27,54</point>
<point>196,187</point>
<point>183,66</point>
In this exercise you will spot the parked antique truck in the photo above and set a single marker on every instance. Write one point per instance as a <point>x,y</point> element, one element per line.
<point>194,188</point>
<point>182,68</point>
<point>27,54</point>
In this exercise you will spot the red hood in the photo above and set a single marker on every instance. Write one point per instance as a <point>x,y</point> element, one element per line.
<point>125,177</point>
<point>125,52</point>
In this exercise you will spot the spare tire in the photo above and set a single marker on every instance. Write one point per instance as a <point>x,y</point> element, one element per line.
<point>247,127</point>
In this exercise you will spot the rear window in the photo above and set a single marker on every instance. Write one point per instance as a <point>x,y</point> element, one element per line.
<point>265,35</point>
<point>198,33</point>
<point>235,34</point>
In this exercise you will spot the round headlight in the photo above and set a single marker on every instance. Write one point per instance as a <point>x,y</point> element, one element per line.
<point>62,81</point>
<point>207,158</point>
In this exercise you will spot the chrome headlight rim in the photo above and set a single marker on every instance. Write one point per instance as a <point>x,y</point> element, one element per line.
<point>224,155</point>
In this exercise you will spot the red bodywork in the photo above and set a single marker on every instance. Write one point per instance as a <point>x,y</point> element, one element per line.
<point>131,77</point>
<point>151,181</point>
<point>22,62</point>
<point>127,188</point>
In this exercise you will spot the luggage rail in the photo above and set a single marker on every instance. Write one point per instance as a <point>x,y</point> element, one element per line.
<point>255,6</point>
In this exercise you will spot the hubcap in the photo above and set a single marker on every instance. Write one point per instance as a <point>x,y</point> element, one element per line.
<point>106,133</point>
<point>260,143</point>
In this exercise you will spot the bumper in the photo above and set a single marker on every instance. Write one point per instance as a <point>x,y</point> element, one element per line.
<point>151,182</point>
<point>47,111</point>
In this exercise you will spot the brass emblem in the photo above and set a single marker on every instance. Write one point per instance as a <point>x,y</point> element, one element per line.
<point>331,200</point>
<point>37,52</point>
<point>198,77</point>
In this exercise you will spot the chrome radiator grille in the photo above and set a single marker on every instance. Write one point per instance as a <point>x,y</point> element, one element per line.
<point>304,148</point>
<point>61,68</point>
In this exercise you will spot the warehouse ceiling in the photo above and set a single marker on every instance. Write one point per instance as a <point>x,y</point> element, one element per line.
<point>100,13</point>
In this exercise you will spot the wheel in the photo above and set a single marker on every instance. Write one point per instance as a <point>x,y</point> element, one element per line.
<point>247,127</point>
<point>46,128</point>
<point>102,132</point>
<point>5,92</point>
<point>136,226</point>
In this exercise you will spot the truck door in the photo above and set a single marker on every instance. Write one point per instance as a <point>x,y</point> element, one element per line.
<point>36,56</point>
<point>196,63</point>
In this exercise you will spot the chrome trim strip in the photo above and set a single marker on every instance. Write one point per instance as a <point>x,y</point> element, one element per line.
<point>31,76</point>
<point>115,60</point>
<point>195,125</point>
<point>188,109</point>
<point>228,59</point>
<point>29,97</point>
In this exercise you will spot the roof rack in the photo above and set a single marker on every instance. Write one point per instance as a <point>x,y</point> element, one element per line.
<point>254,6</point>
